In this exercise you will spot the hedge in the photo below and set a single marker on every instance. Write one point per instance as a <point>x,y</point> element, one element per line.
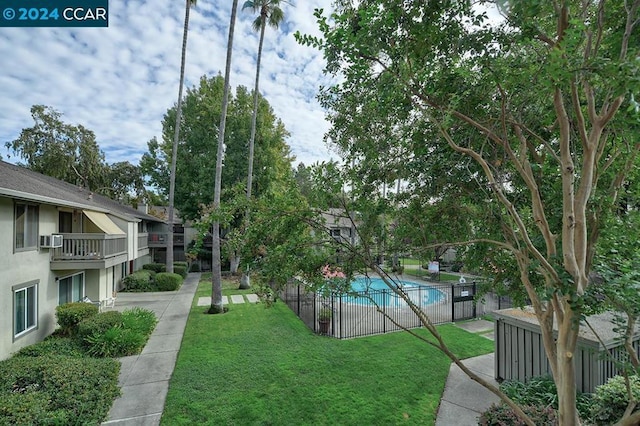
<point>138,281</point>
<point>69,315</point>
<point>54,345</point>
<point>156,267</point>
<point>57,389</point>
<point>166,281</point>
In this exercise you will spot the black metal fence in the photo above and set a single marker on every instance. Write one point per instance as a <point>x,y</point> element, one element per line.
<point>356,314</point>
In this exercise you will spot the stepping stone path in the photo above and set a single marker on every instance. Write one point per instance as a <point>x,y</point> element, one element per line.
<point>235,299</point>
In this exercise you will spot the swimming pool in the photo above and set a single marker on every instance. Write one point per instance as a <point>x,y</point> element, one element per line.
<point>375,291</point>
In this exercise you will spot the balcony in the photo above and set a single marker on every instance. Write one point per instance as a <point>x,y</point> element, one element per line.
<point>159,239</point>
<point>143,241</point>
<point>89,251</point>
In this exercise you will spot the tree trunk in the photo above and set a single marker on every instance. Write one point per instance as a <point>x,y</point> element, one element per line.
<point>176,137</point>
<point>216,267</point>
<point>235,263</point>
<point>245,282</point>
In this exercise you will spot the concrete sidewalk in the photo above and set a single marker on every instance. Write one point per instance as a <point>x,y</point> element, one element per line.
<point>144,378</point>
<point>463,400</point>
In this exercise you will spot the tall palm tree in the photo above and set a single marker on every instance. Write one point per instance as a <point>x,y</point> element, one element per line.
<point>176,136</point>
<point>216,267</point>
<point>269,13</point>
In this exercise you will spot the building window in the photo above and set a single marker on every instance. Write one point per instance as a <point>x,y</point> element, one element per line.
<point>71,289</point>
<point>25,308</point>
<point>26,227</point>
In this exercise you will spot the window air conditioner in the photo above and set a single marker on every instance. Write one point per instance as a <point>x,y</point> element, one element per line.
<point>50,241</point>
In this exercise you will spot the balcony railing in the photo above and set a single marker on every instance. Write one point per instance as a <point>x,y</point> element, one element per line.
<point>159,239</point>
<point>89,247</point>
<point>143,240</point>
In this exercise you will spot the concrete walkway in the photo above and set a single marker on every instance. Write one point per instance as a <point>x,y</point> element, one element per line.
<point>463,400</point>
<point>144,378</point>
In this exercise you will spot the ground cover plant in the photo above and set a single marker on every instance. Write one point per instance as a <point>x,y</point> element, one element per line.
<point>269,368</point>
<point>71,376</point>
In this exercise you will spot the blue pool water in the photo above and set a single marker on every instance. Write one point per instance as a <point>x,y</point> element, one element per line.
<point>378,293</point>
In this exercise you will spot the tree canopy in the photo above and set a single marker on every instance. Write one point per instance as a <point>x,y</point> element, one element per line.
<point>197,147</point>
<point>526,124</point>
<point>71,153</point>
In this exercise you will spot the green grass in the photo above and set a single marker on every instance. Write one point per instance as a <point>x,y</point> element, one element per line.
<point>444,277</point>
<point>229,286</point>
<point>255,365</point>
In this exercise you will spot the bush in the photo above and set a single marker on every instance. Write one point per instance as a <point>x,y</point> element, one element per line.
<point>99,324</point>
<point>610,400</point>
<point>56,389</point>
<point>69,315</point>
<point>503,415</point>
<point>541,391</point>
<point>115,342</point>
<point>156,267</point>
<point>140,320</point>
<point>138,281</point>
<point>54,345</point>
<point>180,263</point>
<point>166,281</point>
<point>180,270</point>
<point>195,267</point>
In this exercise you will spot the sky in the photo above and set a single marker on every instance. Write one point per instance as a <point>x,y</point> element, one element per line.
<point>119,81</point>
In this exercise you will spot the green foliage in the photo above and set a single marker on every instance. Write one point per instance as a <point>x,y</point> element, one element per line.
<point>138,281</point>
<point>503,415</point>
<point>115,334</point>
<point>541,392</point>
<point>54,345</point>
<point>195,171</point>
<point>325,314</point>
<point>610,400</point>
<point>195,267</point>
<point>115,342</point>
<point>180,270</point>
<point>140,320</point>
<point>56,389</point>
<point>99,324</point>
<point>69,315</point>
<point>155,267</point>
<point>166,281</point>
<point>181,263</point>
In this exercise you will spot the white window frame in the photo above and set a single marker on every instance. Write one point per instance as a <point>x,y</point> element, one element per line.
<point>30,230</point>
<point>24,288</point>
<point>84,289</point>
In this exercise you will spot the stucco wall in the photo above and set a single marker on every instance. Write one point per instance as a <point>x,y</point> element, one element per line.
<point>22,267</point>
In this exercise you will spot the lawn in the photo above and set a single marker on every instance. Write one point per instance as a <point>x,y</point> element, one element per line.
<point>257,365</point>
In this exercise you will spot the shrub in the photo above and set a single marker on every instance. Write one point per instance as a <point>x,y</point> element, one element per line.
<point>99,324</point>
<point>610,400</point>
<point>69,315</point>
<point>138,281</point>
<point>503,415</point>
<point>156,267</point>
<point>56,389</point>
<point>166,281</point>
<point>115,342</point>
<point>180,263</point>
<point>53,345</point>
<point>195,267</point>
<point>140,320</point>
<point>541,391</point>
<point>180,270</point>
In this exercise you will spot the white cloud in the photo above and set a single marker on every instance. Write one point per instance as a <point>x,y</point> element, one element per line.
<point>119,81</point>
